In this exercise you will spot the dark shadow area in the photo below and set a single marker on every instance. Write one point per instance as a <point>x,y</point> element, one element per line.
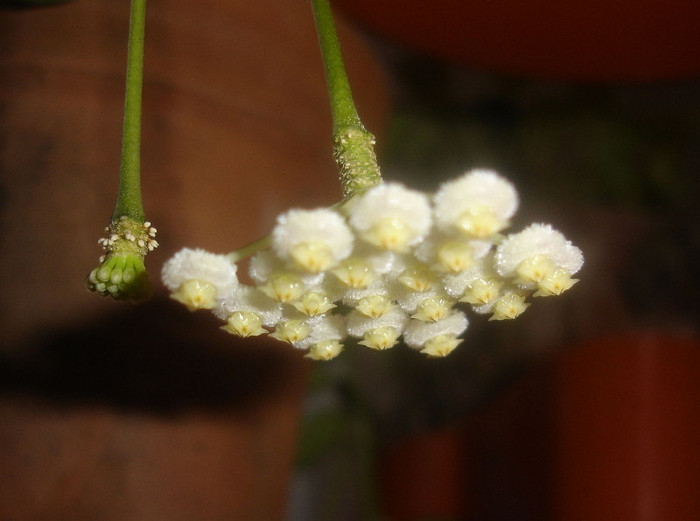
<point>153,357</point>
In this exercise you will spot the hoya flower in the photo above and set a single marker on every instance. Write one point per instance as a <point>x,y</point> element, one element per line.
<point>196,277</point>
<point>355,273</point>
<point>375,306</point>
<point>353,280</point>
<point>314,303</point>
<point>358,323</point>
<point>381,338</point>
<point>509,306</point>
<point>539,257</point>
<point>325,350</point>
<point>291,331</point>
<point>415,285</point>
<point>244,324</point>
<point>452,254</point>
<point>478,204</point>
<point>482,293</point>
<point>418,333</point>
<point>391,217</point>
<point>250,300</point>
<point>384,263</point>
<point>323,328</point>
<point>433,309</point>
<point>441,345</point>
<point>385,273</point>
<point>315,240</point>
<point>284,287</point>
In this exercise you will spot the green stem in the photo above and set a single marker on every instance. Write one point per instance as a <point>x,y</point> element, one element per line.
<point>250,249</point>
<point>353,146</point>
<point>129,196</point>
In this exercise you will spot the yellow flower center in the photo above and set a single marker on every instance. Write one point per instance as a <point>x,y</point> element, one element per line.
<point>355,273</point>
<point>196,294</point>
<point>433,309</point>
<point>313,304</point>
<point>374,306</point>
<point>291,331</point>
<point>313,257</point>
<point>244,324</point>
<point>509,306</point>
<point>389,234</point>
<point>480,222</point>
<point>380,338</point>
<point>284,287</point>
<point>418,278</point>
<point>482,292</point>
<point>455,256</point>
<point>441,345</point>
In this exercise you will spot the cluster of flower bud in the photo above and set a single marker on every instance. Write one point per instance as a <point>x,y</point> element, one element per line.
<point>121,273</point>
<point>390,264</point>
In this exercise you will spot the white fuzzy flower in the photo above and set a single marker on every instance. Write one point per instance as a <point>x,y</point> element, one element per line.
<point>409,301</point>
<point>383,262</point>
<point>478,204</point>
<point>351,297</point>
<point>315,240</point>
<point>433,309</point>
<point>189,264</point>
<point>291,331</point>
<point>249,299</point>
<point>323,328</point>
<point>538,253</point>
<point>244,324</point>
<point>380,331</point>
<point>482,292</point>
<point>452,255</point>
<point>358,323</point>
<point>418,332</point>
<point>456,284</point>
<point>263,264</point>
<point>509,306</point>
<point>391,217</point>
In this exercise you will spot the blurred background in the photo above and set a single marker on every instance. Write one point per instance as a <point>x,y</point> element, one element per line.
<point>586,407</point>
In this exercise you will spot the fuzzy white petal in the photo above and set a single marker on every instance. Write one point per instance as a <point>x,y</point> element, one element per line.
<point>392,202</point>
<point>537,239</point>
<point>198,264</point>
<point>321,226</point>
<point>417,332</point>
<point>475,191</point>
<point>328,327</point>
<point>358,324</point>
<point>247,298</point>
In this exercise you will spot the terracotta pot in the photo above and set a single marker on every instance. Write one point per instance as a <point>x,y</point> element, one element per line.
<point>595,40</point>
<point>604,431</point>
<point>116,412</point>
<point>627,429</point>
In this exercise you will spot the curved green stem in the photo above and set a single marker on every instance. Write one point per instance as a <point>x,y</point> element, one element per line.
<point>129,201</point>
<point>342,104</point>
<point>353,146</point>
<point>250,249</point>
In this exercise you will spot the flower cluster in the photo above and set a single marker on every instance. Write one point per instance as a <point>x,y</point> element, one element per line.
<point>390,263</point>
